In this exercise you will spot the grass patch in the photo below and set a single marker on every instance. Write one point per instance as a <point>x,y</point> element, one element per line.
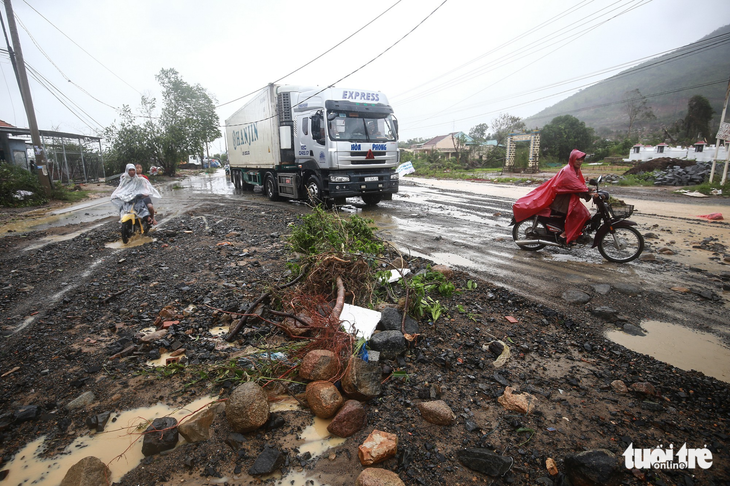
<point>643,179</point>
<point>68,193</point>
<point>707,187</point>
<point>20,188</point>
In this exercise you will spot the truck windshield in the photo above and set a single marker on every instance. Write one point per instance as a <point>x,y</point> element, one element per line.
<point>358,127</point>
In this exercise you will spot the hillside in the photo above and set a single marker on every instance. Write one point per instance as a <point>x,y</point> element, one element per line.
<point>667,82</point>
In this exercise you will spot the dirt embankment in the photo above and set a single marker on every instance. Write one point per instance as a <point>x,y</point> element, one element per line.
<point>69,306</point>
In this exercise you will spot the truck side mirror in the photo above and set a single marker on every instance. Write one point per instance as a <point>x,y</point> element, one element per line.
<point>395,125</point>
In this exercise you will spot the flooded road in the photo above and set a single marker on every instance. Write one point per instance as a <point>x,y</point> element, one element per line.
<point>466,225</point>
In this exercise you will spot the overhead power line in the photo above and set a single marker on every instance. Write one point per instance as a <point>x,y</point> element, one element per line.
<point>318,57</point>
<point>85,51</point>
<point>364,65</point>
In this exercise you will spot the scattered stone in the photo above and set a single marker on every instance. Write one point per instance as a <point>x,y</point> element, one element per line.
<point>576,297</point>
<point>485,461</point>
<point>247,409</point>
<point>551,467</point>
<point>602,289</point>
<point>437,412</point>
<point>318,365</point>
<point>235,441</point>
<point>597,467</point>
<point>361,380</point>
<point>606,313</point>
<point>83,400</point>
<point>644,388</point>
<point>627,289</point>
<point>666,251</point>
<point>98,421</point>
<point>633,330</point>
<point>268,461</point>
<point>391,319</point>
<point>649,235</point>
<point>523,403</point>
<point>323,398</point>
<point>375,476</point>
<point>619,386</point>
<point>443,270</point>
<point>350,419</point>
<point>160,436</point>
<point>647,257</point>
<point>197,427</point>
<point>378,447</point>
<point>389,343</point>
<point>89,471</point>
<point>26,413</point>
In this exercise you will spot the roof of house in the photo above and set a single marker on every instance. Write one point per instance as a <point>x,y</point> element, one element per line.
<point>5,124</point>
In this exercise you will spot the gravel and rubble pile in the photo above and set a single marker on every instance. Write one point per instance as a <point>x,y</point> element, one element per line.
<point>590,399</point>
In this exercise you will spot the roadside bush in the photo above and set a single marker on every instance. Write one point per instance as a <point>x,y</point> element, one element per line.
<point>322,232</point>
<point>643,179</point>
<point>19,188</point>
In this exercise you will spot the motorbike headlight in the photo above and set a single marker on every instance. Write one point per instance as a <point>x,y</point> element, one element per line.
<point>339,178</point>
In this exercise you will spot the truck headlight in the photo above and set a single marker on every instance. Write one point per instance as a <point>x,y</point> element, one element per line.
<point>394,176</point>
<point>339,178</point>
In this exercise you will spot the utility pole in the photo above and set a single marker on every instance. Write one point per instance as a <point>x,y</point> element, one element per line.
<point>40,159</point>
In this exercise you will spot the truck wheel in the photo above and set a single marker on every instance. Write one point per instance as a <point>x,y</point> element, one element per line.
<point>314,190</point>
<point>270,186</point>
<point>232,175</point>
<point>371,199</point>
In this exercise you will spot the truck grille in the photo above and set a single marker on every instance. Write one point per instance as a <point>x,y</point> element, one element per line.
<point>364,154</point>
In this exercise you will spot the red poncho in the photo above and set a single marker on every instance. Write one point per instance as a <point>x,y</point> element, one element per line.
<point>568,181</point>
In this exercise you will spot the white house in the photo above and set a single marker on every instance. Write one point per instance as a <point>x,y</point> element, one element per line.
<point>701,152</point>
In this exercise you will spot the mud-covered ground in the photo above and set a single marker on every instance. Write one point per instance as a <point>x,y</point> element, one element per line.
<point>68,306</point>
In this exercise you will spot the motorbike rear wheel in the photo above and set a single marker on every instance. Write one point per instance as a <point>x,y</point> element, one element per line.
<point>523,231</point>
<point>127,231</point>
<point>623,245</point>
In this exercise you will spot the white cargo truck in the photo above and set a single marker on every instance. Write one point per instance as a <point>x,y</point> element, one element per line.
<point>321,145</point>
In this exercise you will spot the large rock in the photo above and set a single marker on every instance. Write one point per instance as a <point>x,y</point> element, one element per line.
<point>596,467</point>
<point>378,447</point>
<point>523,403</point>
<point>319,364</point>
<point>83,400</point>
<point>437,412</point>
<point>389,343</point>
<point>484,461</point>
<point>361,380</point>
<point>391,320</point>
<point>160,436</point>
<point>197,427</point>
<point>247,408</point>
<point>576,297</point>
<point>375,476</point>
<point>268,461</point>
<point>644,388</point>
<point>351,418</point>
<point>323,398</point>
<point>89,471</point>
<point>447,272</point>
<point>606,313</point>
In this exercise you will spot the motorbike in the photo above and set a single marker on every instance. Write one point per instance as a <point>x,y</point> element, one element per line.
<point>615,237</point>
<point>134,216</point>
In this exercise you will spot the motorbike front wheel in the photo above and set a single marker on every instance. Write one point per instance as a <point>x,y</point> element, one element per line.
<point>523,231</point>
<point>127,231</point>
<point>623,245</point>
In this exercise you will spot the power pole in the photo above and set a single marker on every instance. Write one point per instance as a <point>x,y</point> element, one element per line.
<point>35,136</point>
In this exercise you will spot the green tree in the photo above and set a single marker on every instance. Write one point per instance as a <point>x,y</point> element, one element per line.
<point>563,134</point>
<point>505,124</point>
<point>479,132</point>
<point>697,122</point>
<point>637,108</point>
<point>130,142</point>
<point>188,121</point>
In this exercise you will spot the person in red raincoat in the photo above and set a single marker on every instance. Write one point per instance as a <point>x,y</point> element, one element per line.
<point>561,193</point>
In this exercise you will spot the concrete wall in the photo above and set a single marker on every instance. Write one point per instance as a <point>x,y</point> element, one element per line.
<point>648,152</point>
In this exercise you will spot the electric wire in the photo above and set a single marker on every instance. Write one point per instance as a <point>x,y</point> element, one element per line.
<point>38,46</point>
<point>77,45</point>
<point>356,70</point>
<point>533,48</point>
<point>680,53</point>
<point>316,58</point>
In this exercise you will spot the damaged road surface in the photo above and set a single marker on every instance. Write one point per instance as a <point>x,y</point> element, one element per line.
<point>506,376</point>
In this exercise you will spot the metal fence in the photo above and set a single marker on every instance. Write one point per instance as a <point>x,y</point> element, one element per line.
<point>73,160</point>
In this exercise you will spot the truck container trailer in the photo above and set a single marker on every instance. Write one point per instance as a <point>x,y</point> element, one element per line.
<point>321,145</point>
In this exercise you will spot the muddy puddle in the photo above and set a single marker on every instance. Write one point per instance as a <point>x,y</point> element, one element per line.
<point>680,347</point>
<point>119,446</point>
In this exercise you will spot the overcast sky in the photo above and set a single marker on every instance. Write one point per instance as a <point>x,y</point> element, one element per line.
<point>444,65</point>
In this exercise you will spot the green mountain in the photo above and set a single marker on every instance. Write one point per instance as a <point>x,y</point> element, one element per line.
<point>667,82</point>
